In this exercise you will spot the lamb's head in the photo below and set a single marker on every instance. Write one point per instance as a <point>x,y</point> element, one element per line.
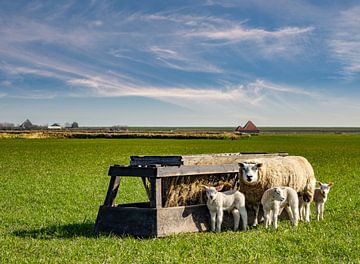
<point>212,192</point>
<point>250,172</point>
<point>278,195</point>
<point>325,188</point>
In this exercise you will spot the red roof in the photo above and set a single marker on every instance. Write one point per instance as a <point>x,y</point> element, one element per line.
<point>249,127</point>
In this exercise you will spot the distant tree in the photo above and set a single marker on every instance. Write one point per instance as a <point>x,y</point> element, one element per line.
<point>75,125</point>
<point>6,125</point>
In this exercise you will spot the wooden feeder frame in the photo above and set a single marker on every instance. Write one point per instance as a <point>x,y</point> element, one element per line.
<point>152,219</point>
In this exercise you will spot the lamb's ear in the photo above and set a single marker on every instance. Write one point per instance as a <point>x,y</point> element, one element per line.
<point>241,165</point>
<point>259,165</point>
<point>320,183</point>
<point>219,188</point>
<point>204,186</point>
<point>330,184</point>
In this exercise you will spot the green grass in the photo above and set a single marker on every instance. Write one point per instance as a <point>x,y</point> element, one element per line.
<point>50,191</point>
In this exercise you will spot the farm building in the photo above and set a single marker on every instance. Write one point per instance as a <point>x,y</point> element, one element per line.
<point>55,126</point>
<point>248,128</point>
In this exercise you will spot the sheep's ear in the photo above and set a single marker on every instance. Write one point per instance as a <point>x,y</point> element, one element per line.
<point>259,165</point>
<point>219,188</point>
<point>320,183</point>
<point>241,165</point>
<point>330,184</point>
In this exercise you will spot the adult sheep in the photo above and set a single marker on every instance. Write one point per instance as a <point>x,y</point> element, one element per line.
<point>261,174</point>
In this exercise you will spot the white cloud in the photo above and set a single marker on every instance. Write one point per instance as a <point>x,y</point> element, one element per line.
<point>239,33</point>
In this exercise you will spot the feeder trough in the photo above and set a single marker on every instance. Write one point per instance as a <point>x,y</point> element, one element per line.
<point>177,202</point>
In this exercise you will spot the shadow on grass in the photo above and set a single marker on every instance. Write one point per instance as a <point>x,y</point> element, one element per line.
<point>59,231</point>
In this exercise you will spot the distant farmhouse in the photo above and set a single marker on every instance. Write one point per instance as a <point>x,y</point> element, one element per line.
<point>248,128</point>
<point>55,126</point>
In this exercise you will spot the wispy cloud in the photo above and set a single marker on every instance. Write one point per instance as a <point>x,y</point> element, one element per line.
<point>345,42</point>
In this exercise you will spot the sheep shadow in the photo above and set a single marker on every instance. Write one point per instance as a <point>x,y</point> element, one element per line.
<point>59,231</point>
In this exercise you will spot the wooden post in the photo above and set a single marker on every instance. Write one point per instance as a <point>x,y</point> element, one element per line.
<point>112,190</point>
<point>155,193</point>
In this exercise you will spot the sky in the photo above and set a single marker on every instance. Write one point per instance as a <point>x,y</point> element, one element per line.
<point>180,63</point>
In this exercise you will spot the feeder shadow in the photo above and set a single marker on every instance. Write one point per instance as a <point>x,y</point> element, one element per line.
<point>59,231</point>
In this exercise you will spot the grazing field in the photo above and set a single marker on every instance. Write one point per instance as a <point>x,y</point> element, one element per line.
<point>50,191</point>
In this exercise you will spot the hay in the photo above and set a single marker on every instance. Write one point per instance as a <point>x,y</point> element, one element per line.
<point>188,190</point>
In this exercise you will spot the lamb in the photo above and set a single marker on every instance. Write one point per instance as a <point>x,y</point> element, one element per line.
<point>277,198</point>
<point>320,198</point>
<point>258,175</point>
<point>232,201</point>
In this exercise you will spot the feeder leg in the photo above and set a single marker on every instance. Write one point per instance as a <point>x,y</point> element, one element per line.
<point>112,190</point>
<point>155,191</point>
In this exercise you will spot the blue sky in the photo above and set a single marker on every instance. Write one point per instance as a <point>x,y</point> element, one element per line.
<point>180,63</point>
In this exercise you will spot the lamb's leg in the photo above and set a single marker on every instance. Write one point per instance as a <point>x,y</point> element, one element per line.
<point>295,215</point>
<point>317,211</point>
<point>275,216</point>
<point>219,219</point>
<point>322,207</point>
<point>244,218</point>
<point>290,213</point>
<point>267,215</point>
<point>236,215</point>
<point>212,220</point>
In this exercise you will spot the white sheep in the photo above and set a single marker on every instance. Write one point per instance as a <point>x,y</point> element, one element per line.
<point>320,197</point>
<point>232,201</point>
<point>258,175</point>
<point>277,198</point>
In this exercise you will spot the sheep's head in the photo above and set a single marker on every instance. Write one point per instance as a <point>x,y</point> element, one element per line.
<point>211,192</point>
<point>250,172</point>
<point>325,188</point>
<point>278,195</point>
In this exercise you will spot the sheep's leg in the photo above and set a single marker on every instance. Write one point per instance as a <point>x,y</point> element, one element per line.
<point>219,219</point>
<point>212,220</point>
<point>256,208</point>
<point>244,218</point>
<point>275,217</point>
<point>307,212</point>
<point>236,214</point>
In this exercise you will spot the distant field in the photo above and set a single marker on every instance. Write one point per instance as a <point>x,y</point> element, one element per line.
<point>169,132</point>
<point>50,191</point>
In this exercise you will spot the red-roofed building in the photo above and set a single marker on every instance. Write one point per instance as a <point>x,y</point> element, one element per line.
<point>248,128</point>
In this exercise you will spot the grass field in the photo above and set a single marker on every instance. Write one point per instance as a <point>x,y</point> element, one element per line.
<point>50,191</point>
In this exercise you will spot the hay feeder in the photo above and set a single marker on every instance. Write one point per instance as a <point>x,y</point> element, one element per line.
<point>173,186</point>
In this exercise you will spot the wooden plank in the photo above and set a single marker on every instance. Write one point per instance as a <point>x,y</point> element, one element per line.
<point>118,170</point>
<point>159,172</point>
<point>200,159</point>
<point>151,160</point>
<point>196,170</point>
<point>138,222</point>
<point>112,191</point>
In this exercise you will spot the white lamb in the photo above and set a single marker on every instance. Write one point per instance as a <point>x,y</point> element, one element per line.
<point>276,199</point>
<point>232,201</point>
<point>320,197</point>
<point>261,174</point>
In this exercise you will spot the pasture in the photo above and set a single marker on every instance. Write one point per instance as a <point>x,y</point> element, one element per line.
<point>51,189</point>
